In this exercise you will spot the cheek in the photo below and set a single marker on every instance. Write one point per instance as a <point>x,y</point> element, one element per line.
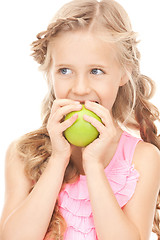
<point>59,90</point>
<point>108,96</point>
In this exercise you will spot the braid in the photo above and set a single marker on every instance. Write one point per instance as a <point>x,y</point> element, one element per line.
<point>40,46</point>
<point>145,112</point>
<point>156,222</point>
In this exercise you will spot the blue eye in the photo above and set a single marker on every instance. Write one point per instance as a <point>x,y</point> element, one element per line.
<point>97,71</point>
<point>65,71</point>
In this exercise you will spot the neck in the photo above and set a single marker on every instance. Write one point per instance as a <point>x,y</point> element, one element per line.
<point>77,159</point>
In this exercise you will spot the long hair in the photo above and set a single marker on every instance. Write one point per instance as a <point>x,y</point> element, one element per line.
<point>131,108</point>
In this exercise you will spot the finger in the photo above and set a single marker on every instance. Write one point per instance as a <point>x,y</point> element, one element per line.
<point>67,123</point>
<point>62,102</point>
<point>97,124</point>
<point>101,111</point>
<point>61,112</point>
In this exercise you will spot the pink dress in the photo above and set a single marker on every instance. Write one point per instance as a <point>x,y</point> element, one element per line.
<point>74,200</point>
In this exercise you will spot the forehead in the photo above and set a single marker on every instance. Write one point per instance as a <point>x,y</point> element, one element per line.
<point>82,45</point>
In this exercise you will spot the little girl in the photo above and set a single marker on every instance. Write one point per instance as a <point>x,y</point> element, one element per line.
<point>108,189</point>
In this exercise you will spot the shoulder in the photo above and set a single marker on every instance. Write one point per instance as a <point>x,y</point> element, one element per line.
<point>14,168</point>
<point>17,185</point>
<point>11,151</point>
<point>148,153</point>
<point>147,159</point>
<point>12,157</point>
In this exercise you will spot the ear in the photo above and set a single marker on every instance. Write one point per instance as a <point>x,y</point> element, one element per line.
<point>125,76</point>
<point>124,79</point>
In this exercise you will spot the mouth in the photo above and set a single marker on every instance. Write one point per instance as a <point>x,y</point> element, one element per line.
<point>83,102</point>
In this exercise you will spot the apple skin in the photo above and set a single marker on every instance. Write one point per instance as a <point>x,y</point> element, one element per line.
<point>81,133</point>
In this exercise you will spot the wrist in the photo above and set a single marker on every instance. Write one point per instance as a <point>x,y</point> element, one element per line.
<point>92,167</point>
<point>58,161</point>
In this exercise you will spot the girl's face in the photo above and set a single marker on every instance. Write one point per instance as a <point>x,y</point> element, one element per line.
<point>85,68</point>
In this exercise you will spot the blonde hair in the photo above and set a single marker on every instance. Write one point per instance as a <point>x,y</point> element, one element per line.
<point>131,108</point>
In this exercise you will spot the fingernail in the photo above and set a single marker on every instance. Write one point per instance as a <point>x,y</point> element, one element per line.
<point>85,116</point>
<point>75,115</point>
<point>87,103</point>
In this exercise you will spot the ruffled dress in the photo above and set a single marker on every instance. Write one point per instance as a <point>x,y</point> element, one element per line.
<point>74,199</point>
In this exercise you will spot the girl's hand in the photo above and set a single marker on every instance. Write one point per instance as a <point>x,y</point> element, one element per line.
<point>96,151</point>
<point>56,126</point>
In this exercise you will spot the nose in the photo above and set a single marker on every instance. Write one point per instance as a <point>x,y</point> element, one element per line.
<point>81,86</point>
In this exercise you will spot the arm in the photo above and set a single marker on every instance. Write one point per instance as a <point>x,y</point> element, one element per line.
<point>134,222</point>
<point>147,162</point>
<point>27,216</point>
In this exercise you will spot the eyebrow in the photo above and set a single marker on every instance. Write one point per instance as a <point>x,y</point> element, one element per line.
<point>62,65</point>
<point>91,65</point>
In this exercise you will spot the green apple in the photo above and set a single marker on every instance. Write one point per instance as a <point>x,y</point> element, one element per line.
<point>81,133</point>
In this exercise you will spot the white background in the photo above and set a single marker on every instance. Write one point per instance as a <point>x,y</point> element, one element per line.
<point>22,87</point>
